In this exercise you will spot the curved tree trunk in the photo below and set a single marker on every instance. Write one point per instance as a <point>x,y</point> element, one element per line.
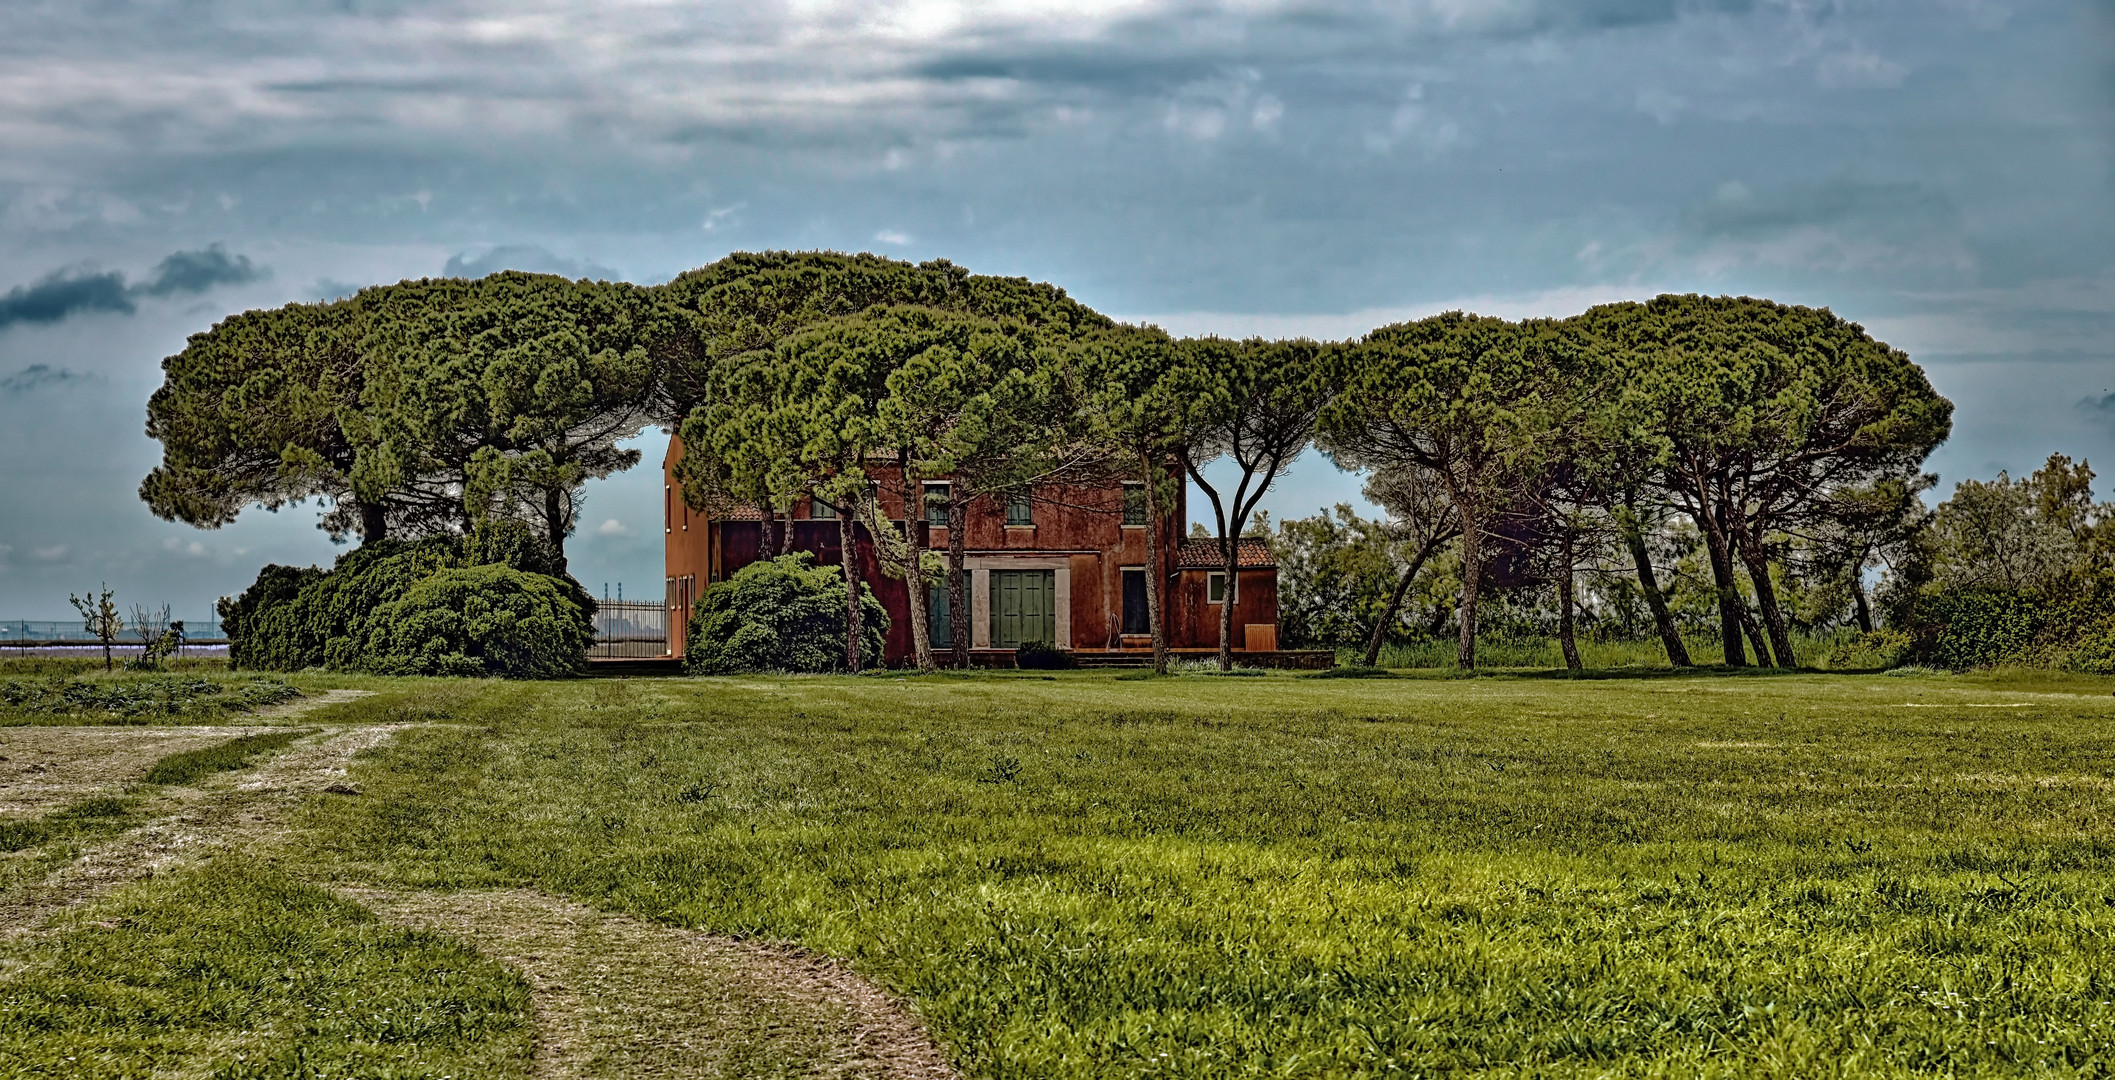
<point>1154,571</point>
<point>1859,606</point>
<point>958,613</point>
<point>766,532</point>
<point>1395,603</point>
<point>912,490</point>
<point>847,542</point>
<point>1729,602</point>
<point>1634,539</point>
<point>1230,553</point>
<point>374,522</point>
<point>1751,556</point>
<point>1471,581</point>
<point>1567,631</point>
<point>555,525</point>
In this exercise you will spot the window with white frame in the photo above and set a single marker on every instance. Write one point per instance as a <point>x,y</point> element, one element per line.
<point>1215,588</point>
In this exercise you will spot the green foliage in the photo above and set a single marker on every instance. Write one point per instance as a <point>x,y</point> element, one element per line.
<point>783,614</point>
<point>479,620</point>
<point>1041,656</point>
<point>188,765</point>
<point>139,700</point>
<point>1880,650</point>
<point>238,971</point>
<point>292,619</point>
<point>1670,875</point>
<point>1975,628</point>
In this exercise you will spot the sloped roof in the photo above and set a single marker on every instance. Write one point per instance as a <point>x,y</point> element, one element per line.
<point>1200,553</point>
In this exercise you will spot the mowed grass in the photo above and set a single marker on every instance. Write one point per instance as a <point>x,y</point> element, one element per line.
<point>1075,876</point>
<point>241,973</point>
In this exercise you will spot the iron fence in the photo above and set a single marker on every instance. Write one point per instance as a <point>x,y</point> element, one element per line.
<point>630,630</point>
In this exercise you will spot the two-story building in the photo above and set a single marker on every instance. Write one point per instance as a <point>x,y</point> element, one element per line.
<point>1062,564</point>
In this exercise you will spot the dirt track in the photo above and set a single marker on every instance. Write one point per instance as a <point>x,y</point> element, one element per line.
<point>614,996</point>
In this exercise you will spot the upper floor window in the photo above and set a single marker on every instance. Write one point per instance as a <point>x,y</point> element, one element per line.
<point>1020,510</point>
<point>936,505</point>
<point>819,510</point>
<point>1134,504</point>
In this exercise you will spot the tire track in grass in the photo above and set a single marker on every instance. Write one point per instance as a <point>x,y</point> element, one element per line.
<point>617,996</point>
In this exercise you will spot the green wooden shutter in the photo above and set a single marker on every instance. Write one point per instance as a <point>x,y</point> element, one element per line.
<point>941,628</point>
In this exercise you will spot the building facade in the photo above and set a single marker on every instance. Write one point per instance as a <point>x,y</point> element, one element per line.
<point>1064,564</point>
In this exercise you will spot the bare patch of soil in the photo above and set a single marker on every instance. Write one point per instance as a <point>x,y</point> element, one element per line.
<point>620,997</point>
<point>44,768</point>
<point>244,811</point>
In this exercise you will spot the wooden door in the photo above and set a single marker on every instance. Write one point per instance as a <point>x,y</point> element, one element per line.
<point>1023,607</point>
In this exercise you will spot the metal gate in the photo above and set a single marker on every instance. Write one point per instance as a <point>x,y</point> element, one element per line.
<point>630,629</point>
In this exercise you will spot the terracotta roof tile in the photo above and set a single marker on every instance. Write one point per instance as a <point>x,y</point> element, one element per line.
<point>1199,553</point>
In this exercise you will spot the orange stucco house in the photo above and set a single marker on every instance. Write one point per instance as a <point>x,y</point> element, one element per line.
<point>1065,565</point>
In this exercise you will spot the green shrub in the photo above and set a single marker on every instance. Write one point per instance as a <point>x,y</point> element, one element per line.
<point>479,620</point>
<point>1971,629</point>
<point>1041,656</point>
<point>292,619</point>
<point>784,614</point>
<point>1878,651</point>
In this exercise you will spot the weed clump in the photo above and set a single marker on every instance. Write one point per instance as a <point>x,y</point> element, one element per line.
<point>138,701</point>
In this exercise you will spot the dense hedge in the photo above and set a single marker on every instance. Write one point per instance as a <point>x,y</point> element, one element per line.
<point>1976,628</point>
<point>784,614</point>
<point>382,609</point>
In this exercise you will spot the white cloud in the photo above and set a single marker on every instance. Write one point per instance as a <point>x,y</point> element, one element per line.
<point>613,527</point>
<point>892,237</point>
<point>50,554</point>
<point>1859,69</point>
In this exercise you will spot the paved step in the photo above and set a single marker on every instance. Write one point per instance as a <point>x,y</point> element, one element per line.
<point>632,666</point>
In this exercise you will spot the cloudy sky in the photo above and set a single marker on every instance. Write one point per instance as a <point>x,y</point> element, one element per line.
<point>1942,171</point>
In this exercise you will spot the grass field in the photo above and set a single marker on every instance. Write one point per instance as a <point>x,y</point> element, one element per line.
<point>1076,875</point>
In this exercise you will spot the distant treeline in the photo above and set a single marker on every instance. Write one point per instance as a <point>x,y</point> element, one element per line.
<point>1783,445</point>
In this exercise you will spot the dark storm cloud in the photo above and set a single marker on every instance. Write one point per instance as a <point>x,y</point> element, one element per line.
<point>62,293</point>
<point>67,292</point>
<point>197,271</point>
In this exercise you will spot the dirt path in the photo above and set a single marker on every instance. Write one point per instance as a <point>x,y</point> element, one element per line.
<point>615,996</point>
<point>621,997</point>
<point>231,812</point>
<point>44,768</point>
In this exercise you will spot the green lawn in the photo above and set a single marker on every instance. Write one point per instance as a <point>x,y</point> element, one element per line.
<point>1079,876</point>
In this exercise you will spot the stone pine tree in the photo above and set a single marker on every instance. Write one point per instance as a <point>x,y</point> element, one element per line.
<point>1464,396</point>
<point>1134,402</point>
<point>971,403</point>
<point>515,390</point>
<point>266,409</point>
<point>1252,404</point>
<point>1762,411</point>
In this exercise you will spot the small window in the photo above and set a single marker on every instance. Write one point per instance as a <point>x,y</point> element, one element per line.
<point>1020,510</point>
<point>1215,587</point>
<point>819,510</point>
<point>1134,504</point>
<point>936,505</point>
<point>668,508</point>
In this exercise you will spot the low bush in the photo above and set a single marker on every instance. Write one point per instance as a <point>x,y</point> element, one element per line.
<point>479,620</point>
<point>1877,651</point>
<point>1041,656</point>
<point>345,618</point>
<point>783,614</point>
